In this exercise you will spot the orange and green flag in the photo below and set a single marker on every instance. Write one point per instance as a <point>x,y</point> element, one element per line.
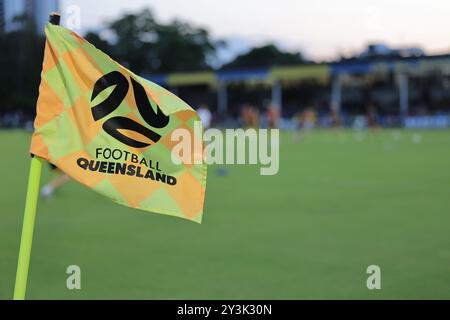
<point>110,129</point>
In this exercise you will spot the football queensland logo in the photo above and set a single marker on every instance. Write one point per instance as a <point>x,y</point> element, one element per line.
<point>113,125</point>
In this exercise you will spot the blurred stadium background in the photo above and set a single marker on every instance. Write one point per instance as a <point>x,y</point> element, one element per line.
<point>368,184</point>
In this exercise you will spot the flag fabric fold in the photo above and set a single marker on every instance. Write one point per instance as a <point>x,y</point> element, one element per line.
<point>111,130</point>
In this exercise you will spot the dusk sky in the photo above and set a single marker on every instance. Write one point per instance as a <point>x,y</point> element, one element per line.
<point>322,29</point>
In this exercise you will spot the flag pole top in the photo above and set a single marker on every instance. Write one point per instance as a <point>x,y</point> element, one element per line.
<point>54,18</point>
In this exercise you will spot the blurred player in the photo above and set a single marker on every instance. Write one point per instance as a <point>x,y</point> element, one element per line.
<point>305,122</point>
<point>250,116</point>
<point>60,179</point>
<point>205,116</point>
<point>372,116</point>
<point>273,116</point>
<point>335,115</point>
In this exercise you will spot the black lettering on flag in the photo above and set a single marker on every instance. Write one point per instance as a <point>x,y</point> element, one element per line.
<point>124,169</point>
<point>82,163</point>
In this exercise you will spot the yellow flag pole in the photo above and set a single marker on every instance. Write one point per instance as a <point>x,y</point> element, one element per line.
<point>27,228</point>
<point>29,217</point>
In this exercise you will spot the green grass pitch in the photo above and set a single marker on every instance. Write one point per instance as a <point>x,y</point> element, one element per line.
<point>342,201</point>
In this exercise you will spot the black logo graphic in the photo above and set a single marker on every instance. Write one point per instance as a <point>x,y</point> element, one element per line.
<point>112,126</point>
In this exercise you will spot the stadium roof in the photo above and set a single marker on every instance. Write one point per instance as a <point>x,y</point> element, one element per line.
<point>320,72</point>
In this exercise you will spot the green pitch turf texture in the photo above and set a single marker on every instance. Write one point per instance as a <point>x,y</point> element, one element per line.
<point>342,201</point>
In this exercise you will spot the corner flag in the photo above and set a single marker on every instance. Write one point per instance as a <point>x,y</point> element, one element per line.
<point>111,130</point>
